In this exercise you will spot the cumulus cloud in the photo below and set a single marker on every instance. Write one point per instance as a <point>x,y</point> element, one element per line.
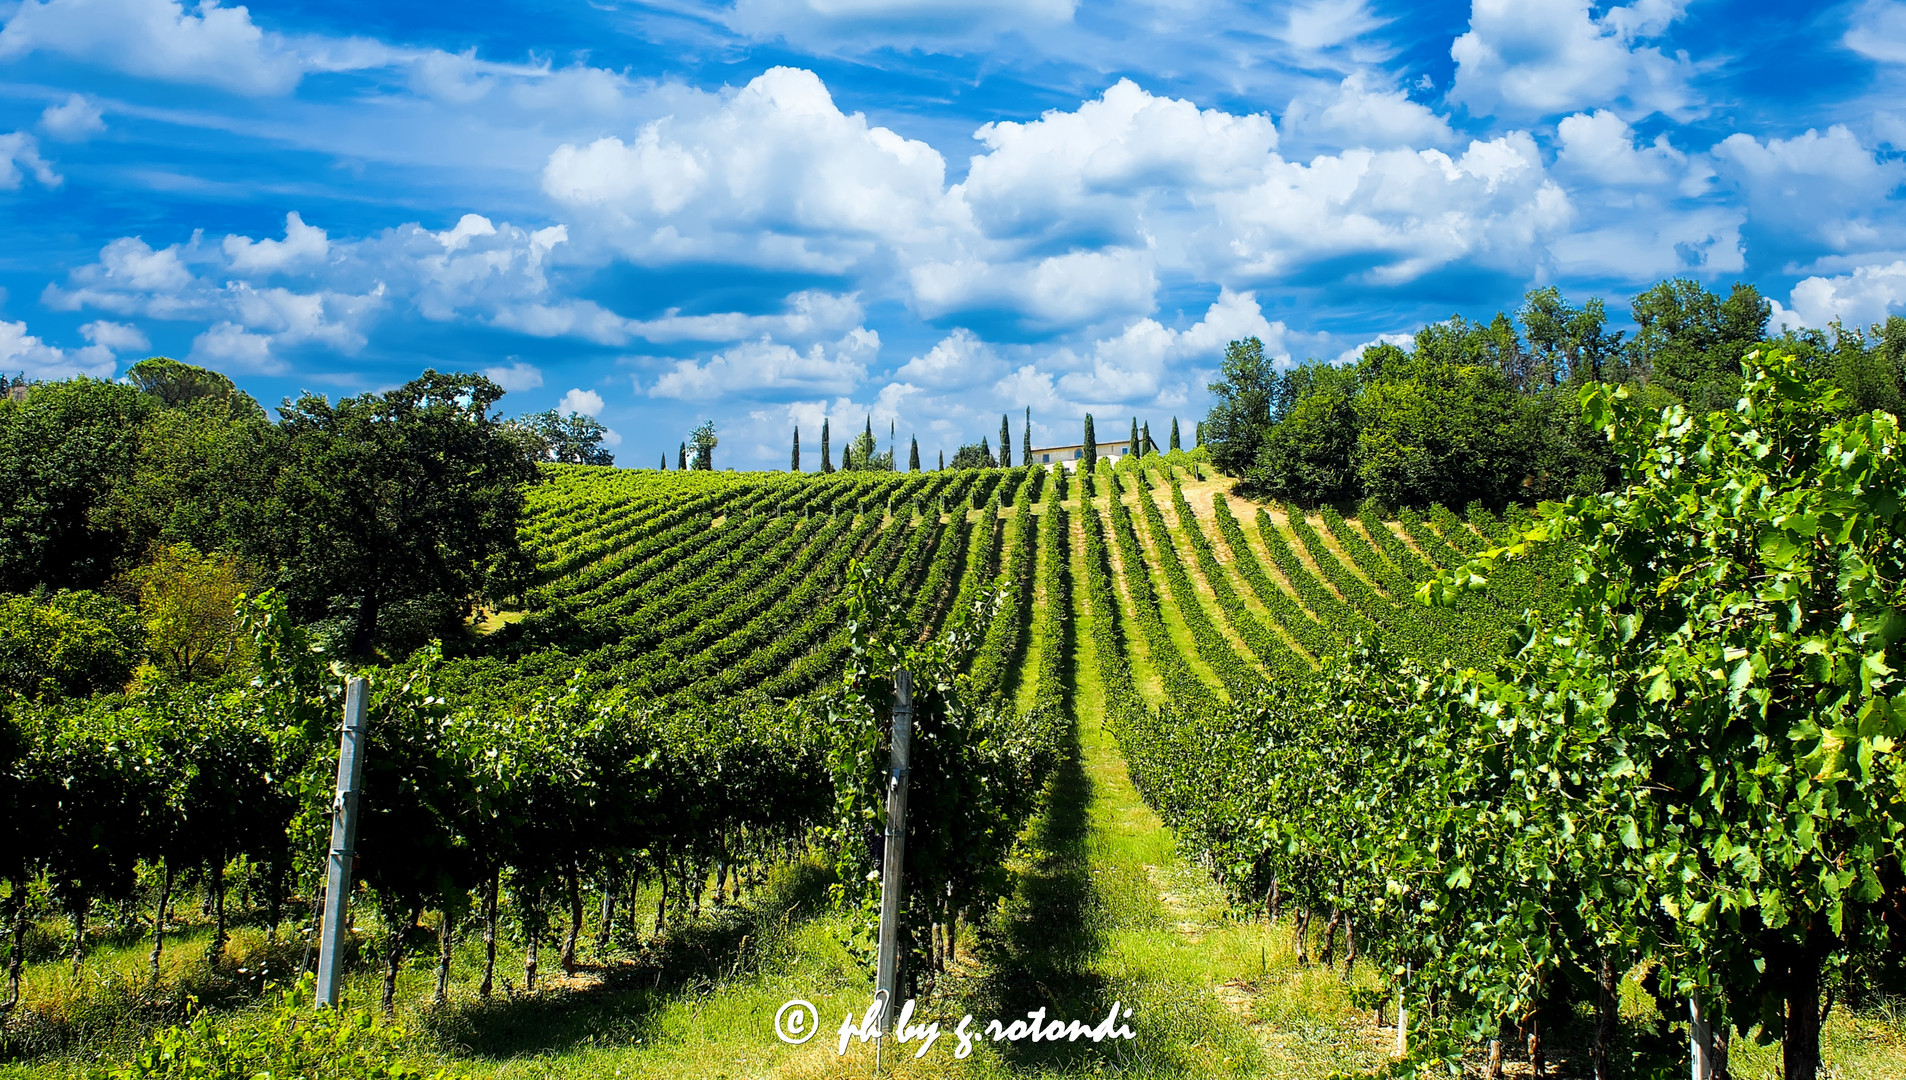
<point>1530,58</point>
<point>1096,167</point>
<point>73,119</point>
<point>1859,299</point>
<point>1061,290</point>
<point>1600,148</point>
<point>21,351</point>
<point>773,174</point>
<point>578,400</point>
<point>1820,187</point>
<point>766,364</point>
<point>1355,352</point>
<point>115,337</point>
<point>959,359</point>
<point>1152,363</point>
<point>517,376</point>
<point>302,243</point>
<point>1362,112</point>
<point>17,150</point>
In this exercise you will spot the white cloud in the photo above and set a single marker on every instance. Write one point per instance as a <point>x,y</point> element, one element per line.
<point>1529,58</point>
<point>1063,290</point>
<point>1866,296</point>
<point>1601,149</point>
<point>959,359</point>
<point>771,174</point>
<point>809,313</point>
<point>1357,113</point>
<point>1878,31</point>
<point>115,337</point>
<point>1097,168</point>
<point>229,346</point>
<point>1823,187</point>
<point>769,365</point>
<point>17,148</point>
<point>518,376</point>
<point>1402,213</point>
<point>578,400</point>
<point>23,352</point>
<point>1151,363</point>
<point>1321,25</point>
<point>208,44</point>
<point>302,243</point>
<point>73,119</point>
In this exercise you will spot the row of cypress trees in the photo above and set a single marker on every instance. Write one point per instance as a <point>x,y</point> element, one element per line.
<point>1141,436</point>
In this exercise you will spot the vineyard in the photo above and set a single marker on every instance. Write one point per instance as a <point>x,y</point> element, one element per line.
<point>681,722</point>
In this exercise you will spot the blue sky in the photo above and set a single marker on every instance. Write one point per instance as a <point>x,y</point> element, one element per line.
<point>931,211</point>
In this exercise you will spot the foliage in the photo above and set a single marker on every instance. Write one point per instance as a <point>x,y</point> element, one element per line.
<point>404,495</point>
<point>574,439</point>
<point>703,441</point>
<point>188,601</point>
<point>285,1041</point>
<point>64,450</point>
<point>971,456</point>
<point>1234,429</point>
<point>70,644</point>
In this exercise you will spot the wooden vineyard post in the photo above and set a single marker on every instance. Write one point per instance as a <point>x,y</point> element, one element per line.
<point>1403,1014</point>
<point>337,878</point>
<point>887,966</point>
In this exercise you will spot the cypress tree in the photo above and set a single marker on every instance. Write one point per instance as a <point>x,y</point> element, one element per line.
<point>1174,433</point>
<point>942,461</point>
<point>1091,455</point>
<point>664,465</point>
<point>827,459</point>
<point>1134,446</point>
<point>1145,434</point>
<point>1025,437</point>
<point>794,465</point>
<point>1005,444</point>
<point>1197,434</point>
<point>847,458</point>
<point>913,457</point>
<point>681,457</point>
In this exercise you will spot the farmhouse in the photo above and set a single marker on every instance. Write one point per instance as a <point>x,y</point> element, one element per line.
<point>1070,455</point>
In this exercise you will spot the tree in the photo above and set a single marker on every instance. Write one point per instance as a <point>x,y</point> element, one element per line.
<point>1025,438</point>
<point>1090,454</point>
<point>794,463</point>
<point>575,439</point>
<point>407,495</point>
<point>1690,341</point>
<point>943,460</point>
<point>827,460</point>
<point>663,466</point>
<point>1569,343</point>
<point>1174,433</point>
<point>1005,444</point>
<point>1145,437</point>
<point>1309,456</point>
<point>66,449</point>
<point>847,458</point>
<point>913,456</point>
<point>1132,445</point>
<point>1197,434</point>
<point>1238,421</point>
<point>863,455</point>
<point>702,441</point>
<point>971,456</point>
<point>681,457</point>
<point>189,602</point>
<point>175,384</point>
<point>204,470</point>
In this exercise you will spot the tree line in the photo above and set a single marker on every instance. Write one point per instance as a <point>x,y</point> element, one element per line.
<point>388,517</point>
<point>1487,411</point>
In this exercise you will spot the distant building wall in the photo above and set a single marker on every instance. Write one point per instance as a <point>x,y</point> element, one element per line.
<point>1070,455</point>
